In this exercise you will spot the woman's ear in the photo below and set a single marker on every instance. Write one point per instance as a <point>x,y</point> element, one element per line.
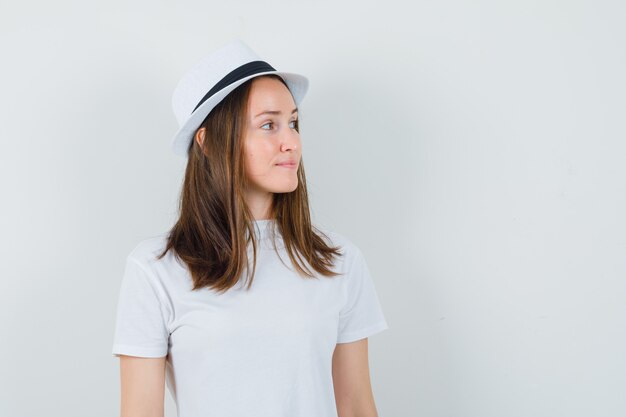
<point>200,136</point>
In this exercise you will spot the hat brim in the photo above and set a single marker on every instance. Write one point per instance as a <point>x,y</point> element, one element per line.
<point>298,85</point>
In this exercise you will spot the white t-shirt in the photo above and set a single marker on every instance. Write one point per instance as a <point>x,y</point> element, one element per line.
<point>263,352</point>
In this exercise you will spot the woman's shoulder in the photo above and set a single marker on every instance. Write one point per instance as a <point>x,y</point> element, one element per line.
<point>147,249</point>
<point>338,239</point>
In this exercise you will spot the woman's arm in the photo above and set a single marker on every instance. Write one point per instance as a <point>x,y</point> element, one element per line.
<point>142,386</point>
<point>351,379</point>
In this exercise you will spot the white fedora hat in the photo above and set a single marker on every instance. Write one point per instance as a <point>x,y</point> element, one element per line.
<point>211,79</point>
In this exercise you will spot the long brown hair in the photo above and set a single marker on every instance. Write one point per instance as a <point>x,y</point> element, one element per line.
<point>210,233</point>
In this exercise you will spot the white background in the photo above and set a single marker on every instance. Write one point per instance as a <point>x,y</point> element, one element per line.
<point>474,150</point>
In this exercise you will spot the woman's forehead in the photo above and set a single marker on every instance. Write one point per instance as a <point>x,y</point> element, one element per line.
<point>269,94</point>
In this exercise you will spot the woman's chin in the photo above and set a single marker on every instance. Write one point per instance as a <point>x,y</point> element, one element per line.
<point>285,188</point>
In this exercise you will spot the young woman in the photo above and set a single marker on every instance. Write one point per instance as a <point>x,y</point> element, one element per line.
<point>244,308</point>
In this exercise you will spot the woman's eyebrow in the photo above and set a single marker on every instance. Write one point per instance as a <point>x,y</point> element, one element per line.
<point>274,112</point>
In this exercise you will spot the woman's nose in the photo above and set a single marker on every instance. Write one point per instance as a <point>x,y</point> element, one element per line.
<point>290,140</point>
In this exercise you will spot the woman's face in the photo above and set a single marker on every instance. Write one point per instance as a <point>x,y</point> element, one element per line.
<point>271,139</point>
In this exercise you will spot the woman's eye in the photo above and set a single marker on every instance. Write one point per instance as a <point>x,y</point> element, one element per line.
<point>294,122</point>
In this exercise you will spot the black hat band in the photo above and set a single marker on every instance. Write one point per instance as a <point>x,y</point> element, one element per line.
<point>238,73</point>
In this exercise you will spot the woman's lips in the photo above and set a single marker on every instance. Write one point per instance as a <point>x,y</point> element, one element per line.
<point>287,165</point>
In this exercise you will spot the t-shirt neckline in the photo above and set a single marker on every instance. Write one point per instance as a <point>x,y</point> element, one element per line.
<point>262,226</point>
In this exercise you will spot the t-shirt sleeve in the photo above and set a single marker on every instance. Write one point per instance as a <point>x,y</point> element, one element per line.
<point>140,328</point>
<point>362,315</point>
